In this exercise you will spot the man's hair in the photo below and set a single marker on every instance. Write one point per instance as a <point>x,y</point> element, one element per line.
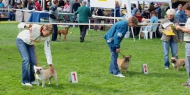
<point>133,20</point>
<point>170,12</point>
<point>55,1</point>
<point>84,2</point>
<point>186,7</point>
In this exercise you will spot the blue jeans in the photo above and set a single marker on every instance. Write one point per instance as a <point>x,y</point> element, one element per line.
<point>54,35</point>
<point>113,64</point>
<point>28,60</point>
<point>187,60</point>
<point>166,46</point>
<point>11,16</point>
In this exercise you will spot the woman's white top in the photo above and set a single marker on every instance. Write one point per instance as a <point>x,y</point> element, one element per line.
<point>36,37</point>
<point>187,35</point>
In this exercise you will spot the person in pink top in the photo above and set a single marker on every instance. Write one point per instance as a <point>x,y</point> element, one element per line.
<point>38,6</point>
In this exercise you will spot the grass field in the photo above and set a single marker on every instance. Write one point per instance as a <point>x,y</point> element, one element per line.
<point>91,62</point>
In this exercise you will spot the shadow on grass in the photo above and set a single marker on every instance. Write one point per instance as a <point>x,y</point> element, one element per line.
<point>152,74</point>
<point>89,87</point>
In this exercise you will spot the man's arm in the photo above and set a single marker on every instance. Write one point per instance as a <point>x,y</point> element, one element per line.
<point>183,29</point>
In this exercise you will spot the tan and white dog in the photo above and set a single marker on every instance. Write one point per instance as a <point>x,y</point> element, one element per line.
<point>43,75</point>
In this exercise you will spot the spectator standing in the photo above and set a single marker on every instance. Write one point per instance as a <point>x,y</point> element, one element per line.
<point>30,5</point>
<point>134,10</point>
<point>61,3</point>
<point>158,10</point>
<point>151,7</point>
<point>54,18</point>
<point>180,15</point>
<point>75,6</point>
<point>117,10</point>
<point>186,31</point>
<point>1,4</point>
<point>84,12</point>
<point>170,41</point>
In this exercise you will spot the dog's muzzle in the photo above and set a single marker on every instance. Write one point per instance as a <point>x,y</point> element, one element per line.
<point>38,72</point>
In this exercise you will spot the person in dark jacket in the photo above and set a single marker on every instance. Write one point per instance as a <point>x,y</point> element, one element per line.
<point>75,6</point>
<point>113,38</point>
<point>54,18</point>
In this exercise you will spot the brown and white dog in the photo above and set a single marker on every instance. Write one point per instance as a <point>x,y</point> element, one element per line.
<point>177,63</point>
<point>123,64</point>
<point>64,32</point>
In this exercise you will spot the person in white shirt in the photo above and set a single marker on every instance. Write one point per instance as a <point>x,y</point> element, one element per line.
<point>186,31</point>
<point>25,42</point>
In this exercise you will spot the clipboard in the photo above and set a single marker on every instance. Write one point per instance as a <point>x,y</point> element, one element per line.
<point>169,32</point>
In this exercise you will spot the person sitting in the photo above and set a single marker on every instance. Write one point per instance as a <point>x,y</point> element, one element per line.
<point>153,19</point>
<point>30,5</point>
<point>138,16</point>
<point>145,14</point>
<point>37,5</point>
<point>66,9</point>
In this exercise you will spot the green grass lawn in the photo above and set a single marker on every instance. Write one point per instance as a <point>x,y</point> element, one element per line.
<point>91,62</point>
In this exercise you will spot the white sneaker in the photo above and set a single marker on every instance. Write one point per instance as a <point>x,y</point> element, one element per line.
<point>34,82</point>
<point>26,84</point>
<point>119,75</point>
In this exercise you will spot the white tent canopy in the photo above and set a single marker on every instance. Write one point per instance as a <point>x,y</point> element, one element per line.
<point>128,3</point>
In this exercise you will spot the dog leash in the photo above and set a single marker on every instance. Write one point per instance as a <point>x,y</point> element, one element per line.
<point>38,64</point>
<point>178,47</point>
<point>121,54</point>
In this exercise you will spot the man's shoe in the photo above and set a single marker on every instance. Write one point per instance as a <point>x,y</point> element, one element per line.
<point>119,75</point>
<point>80,39</point>
<point>26,84</point>
<point>34,82</point>
<point>188,86</point>
<point>166,68</point>
<point>185,84</point>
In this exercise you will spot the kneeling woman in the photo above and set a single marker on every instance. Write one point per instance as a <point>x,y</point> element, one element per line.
<point>25,43</point>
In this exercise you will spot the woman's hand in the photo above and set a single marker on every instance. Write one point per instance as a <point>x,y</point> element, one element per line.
<point>51,68</point>
<point>117,50</point>
<point>180,41</point>
<point>178,27</point>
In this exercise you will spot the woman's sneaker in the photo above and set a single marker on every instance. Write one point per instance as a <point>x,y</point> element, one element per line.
<point>34,82</point>
<point>119,75</point>
<point>26,84</point>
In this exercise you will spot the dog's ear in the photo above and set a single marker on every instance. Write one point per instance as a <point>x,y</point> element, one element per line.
<point>34,66</point>
<point>130,56</point>
<point>124,56</point>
